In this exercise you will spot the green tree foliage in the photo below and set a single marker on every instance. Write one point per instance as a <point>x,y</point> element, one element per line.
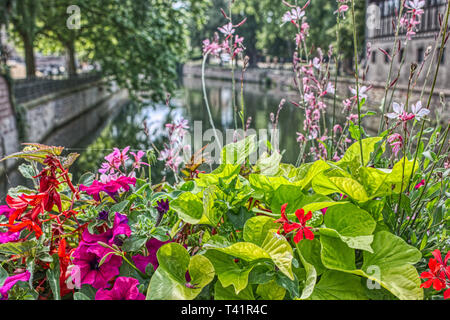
<point>138,43</point>
<point>263,34</point>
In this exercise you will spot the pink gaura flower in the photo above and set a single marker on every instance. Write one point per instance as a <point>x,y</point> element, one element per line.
<point>227,29</point>
<point>400,113</point>
<point>137,159</point>
<point>396,142</point>
<point>293,15</point>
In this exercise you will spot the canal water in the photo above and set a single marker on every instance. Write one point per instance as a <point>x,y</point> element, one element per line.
<point>126,127</point>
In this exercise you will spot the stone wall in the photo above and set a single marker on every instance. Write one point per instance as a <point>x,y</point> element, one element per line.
<point>9,139</point>
<point>48,119</point>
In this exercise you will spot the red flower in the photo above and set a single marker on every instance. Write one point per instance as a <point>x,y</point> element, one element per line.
<point>283,218</point>
<point>439,274</point>
<point>27,224</point>
<point>302,229</point>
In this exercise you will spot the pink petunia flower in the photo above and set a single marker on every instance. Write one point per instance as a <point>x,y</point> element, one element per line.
<point>125,288</point>
<point>11,281</point>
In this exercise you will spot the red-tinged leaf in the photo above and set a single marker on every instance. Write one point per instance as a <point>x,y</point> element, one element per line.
<point>69,160</point>
<point>35,152</point>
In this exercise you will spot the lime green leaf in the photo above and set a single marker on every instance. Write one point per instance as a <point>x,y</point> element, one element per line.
<point>169,283</point>
<point>189,207</point>
<point>271,291</point>
<point>236,153</point>
<point>353,154</point>
<point>257,228</point>
<point>228,293</point>
<point>335,285</point>
<point>311,276</point>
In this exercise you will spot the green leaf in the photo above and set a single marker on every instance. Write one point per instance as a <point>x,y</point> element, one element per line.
<point>290,194</point>
<point>392,257</point>
<point>348,186</point>
<point>228,293</point>
<point>230,274</point>
<point>169,283</point>
<point>268,165</point>
<point>349,220</point>
<point>274,248</point>
<point>18,248</point>
<point>53,275</point>
<point>311,276</point>
<point>189,207</point>
<point>119,207</point>
<point>352,156</point>
<point>310,251</point>
<point>3,276</point>
<point>271,291</point>
<point>239,220</point>
<point>27,171</point>
<point>80,296</point>
<point>395,260</point>
<point>133,243</point>
<point>236,153</point>
<point>257,228</point>
<point>335,285</point>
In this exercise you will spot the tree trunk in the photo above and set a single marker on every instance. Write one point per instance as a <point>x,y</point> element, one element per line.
<point>29,55</point>
<point>71,60</point>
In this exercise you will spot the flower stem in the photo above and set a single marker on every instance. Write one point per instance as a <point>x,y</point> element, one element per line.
<point>355,45</point>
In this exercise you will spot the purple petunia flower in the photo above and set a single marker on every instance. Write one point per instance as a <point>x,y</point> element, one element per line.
<point>103,215</point>
<point>163,206</point>
<point>87,259</point>
<point>124,288</point>
<point>11,281</point>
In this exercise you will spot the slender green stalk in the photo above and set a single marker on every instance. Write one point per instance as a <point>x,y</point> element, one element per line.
<point>355,45</point>
<point>338,56</point>
<point>388,81</point>
<point>205,96</point>
<point>405,158</point>
<point>414,213</point>
<point>441,52</point>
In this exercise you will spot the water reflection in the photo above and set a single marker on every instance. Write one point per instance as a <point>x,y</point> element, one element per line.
<point>126,127</point>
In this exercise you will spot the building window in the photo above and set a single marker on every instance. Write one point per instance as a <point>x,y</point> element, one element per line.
<point>420,56</point>
<point>374,57</point>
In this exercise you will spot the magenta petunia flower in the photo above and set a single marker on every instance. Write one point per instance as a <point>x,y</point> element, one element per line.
<point>124,288</point>
<point>87,259</point>
<point>11,281</point>
<point>6,237</point>
<point>120,227</point>
<point>6,211</point>
<point>153,246</point>
<point>111,188</point>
